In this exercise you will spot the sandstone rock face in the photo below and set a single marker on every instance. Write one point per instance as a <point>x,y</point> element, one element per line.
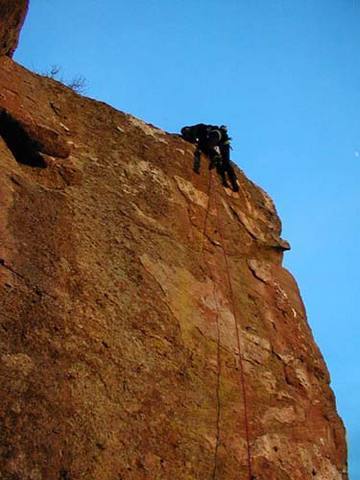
<point>147,327</point>
<point>12,16</point>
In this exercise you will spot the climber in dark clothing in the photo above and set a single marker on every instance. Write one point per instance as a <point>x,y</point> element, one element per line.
<point>214,142</point>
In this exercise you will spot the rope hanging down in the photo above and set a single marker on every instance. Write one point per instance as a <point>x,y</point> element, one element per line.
<point>238,339</point>
<point>242,380</point>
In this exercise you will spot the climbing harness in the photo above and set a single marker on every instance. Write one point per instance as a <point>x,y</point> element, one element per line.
<point>242,379</point>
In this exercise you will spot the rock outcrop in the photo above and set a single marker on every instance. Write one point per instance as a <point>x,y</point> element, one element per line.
<point>12,16</point>
<point>147,327</point>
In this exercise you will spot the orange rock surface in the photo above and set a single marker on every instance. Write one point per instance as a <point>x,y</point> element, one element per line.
<point>147,327</point>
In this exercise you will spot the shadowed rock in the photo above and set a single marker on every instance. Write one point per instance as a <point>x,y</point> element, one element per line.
<point>27,142</point>
<point>12,16</point>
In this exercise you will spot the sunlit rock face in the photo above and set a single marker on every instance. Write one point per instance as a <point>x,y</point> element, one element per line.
<point>147,327</point>
<point>12,16</point>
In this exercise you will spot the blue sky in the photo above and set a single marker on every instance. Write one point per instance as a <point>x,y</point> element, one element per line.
<point>285,77</point>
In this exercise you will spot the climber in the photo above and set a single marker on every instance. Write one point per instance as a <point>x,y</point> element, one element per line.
<point>214,142</point>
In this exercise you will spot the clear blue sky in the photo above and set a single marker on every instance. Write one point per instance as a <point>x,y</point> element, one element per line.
<point>284,75</point>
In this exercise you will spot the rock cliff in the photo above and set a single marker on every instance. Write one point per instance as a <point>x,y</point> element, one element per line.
<point>147,327</point>
<point>12,16</point>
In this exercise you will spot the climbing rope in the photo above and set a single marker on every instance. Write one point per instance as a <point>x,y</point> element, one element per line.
<point>237,329</point>
<point>206,214</point>
<point>218,331</point>
<point>240,354</point>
